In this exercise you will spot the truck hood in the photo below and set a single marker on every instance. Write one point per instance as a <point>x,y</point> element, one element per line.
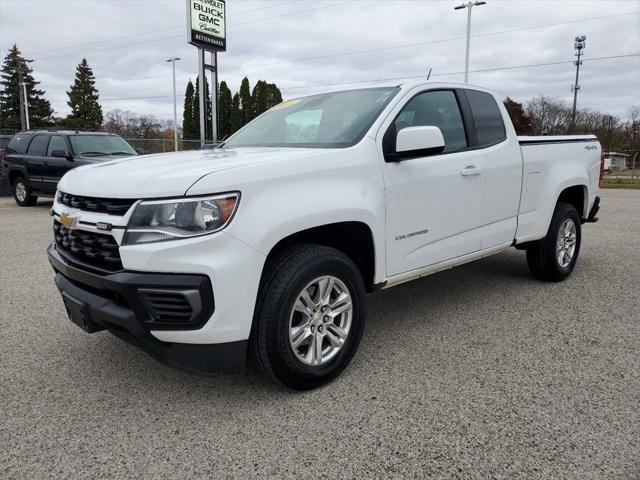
<point>166,174</point>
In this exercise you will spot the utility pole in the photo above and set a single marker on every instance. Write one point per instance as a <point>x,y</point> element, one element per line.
<point>609,135</point>
<point>468,6</point>
<point>175,107</point>
<point>21,99</point>
<point>25,102</point>
<point>579,44</point>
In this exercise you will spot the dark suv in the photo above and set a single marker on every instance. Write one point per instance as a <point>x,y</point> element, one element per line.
<point>37,159</point>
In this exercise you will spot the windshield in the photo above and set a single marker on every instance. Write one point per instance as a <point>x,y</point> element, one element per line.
<point>97,145</point>
<point>330,120</point>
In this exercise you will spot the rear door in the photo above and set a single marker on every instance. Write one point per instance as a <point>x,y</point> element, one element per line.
<point>56,167</point>
<point>35,160</point>
<point>435,202</point>
<point>497,141</point>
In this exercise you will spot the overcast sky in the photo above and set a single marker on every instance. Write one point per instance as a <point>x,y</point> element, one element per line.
<point>126,42</point>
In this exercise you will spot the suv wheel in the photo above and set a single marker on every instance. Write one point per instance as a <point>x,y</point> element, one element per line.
<point>22,193</point>
<point>309,317</point>
<point>553,258</point>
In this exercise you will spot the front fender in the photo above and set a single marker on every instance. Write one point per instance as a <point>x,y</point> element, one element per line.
<point>278,200</point>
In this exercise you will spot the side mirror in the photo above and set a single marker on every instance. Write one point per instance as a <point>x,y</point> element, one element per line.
<point>413,142</point>
<point>61,154</point>
<point>139,151</point>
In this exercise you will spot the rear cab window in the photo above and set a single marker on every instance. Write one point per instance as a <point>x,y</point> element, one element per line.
<point>38,145</point>
<point>487,117</point>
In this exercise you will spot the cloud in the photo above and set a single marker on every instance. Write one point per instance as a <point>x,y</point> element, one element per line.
<point>265,36</point>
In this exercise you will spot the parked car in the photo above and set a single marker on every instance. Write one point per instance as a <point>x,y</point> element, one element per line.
<point>4,183</point>
<point>268,245</point>
<point>37,159</point>
<point>4,141</point>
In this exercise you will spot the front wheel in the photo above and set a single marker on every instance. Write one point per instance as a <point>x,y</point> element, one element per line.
<point>309,317</point>
<point>553,258</point>
<point>22,193</point>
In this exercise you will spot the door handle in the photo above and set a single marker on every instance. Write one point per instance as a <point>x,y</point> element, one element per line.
<point>470,170</point>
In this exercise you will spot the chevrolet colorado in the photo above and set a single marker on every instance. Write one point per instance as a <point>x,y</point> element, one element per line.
<point>266,246</point>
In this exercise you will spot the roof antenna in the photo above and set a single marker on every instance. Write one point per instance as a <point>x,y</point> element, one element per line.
<point>429,74</point>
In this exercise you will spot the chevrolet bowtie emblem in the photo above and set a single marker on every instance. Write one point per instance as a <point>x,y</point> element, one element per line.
<point>67,221</point>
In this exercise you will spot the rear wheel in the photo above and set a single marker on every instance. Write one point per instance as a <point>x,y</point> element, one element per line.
<point>310,316</point>
<point>23,194</point>
<point>554,257</point>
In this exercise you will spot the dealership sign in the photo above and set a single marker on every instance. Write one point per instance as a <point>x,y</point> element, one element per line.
<point>206,25</point>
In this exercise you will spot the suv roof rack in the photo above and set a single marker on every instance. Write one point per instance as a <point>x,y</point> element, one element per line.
<point>69,130</point>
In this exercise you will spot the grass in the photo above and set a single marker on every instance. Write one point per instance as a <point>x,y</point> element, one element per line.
<point>622,183</point>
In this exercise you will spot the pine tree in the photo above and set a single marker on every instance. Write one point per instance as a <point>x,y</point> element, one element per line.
<point>236,114</point>
<point>259,98</point>
<point>196,109</point>
<point>274,96</point>
<point>224,110</point>
<point>187,114</point>
<point>246,109</point>
<point>14,70</point>
<point>86,112</point>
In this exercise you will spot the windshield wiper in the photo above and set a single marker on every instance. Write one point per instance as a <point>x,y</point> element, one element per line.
<point>94,153</point>
<point>121,153</point>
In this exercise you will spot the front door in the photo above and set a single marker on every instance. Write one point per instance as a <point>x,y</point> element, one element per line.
<point>434,203</point>
<point>35,159</point>
<point>55,167</point>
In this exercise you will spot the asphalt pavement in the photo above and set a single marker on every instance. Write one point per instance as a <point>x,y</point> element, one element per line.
<point>476,372</point>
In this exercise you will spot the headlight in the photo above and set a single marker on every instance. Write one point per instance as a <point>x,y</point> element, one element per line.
<point>161,220</point>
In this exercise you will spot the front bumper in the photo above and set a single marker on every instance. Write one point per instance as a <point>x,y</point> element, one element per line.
<point>113,302</point>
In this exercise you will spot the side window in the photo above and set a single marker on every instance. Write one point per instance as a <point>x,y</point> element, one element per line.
<point>435,109</point>
<point>18,144</point>
<point>38,145</point>
<point>57,142</point>
<point>487,117</point>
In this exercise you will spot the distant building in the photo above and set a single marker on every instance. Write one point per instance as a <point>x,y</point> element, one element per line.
<point>615,162</point>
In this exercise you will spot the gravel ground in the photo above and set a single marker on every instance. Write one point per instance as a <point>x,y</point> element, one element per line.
<point>477,372</point>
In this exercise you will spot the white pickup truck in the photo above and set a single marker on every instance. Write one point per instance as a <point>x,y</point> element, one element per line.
<point>266,247</point>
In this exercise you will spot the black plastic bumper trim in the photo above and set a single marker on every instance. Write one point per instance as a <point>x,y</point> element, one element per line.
<point>123,288</point>
<point>594,211</point>
<point>111,302</point>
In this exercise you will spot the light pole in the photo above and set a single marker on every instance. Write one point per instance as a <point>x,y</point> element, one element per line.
<point>468,6</point>
<point>175,108</point>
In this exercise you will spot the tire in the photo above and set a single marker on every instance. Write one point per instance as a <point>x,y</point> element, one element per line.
<point>22,193</point>
<point>542,256</point>
<point>276,325</point>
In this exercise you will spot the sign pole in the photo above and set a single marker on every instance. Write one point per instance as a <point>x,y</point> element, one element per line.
<point>214,96</point>
<point>201,99</point>
<point>206,29</point>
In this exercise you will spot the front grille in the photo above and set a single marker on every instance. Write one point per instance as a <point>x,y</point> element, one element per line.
<point>111,206</point>
<point>94,248</point>
<point>168,306</point>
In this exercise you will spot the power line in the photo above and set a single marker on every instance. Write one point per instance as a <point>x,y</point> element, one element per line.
<point>299,12</point>
<point>406,77</point>
<point>483,70</point>
<point>428,42</point>
<point>152,97</point>
<point>379,49</point>
<point>182,25</point>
